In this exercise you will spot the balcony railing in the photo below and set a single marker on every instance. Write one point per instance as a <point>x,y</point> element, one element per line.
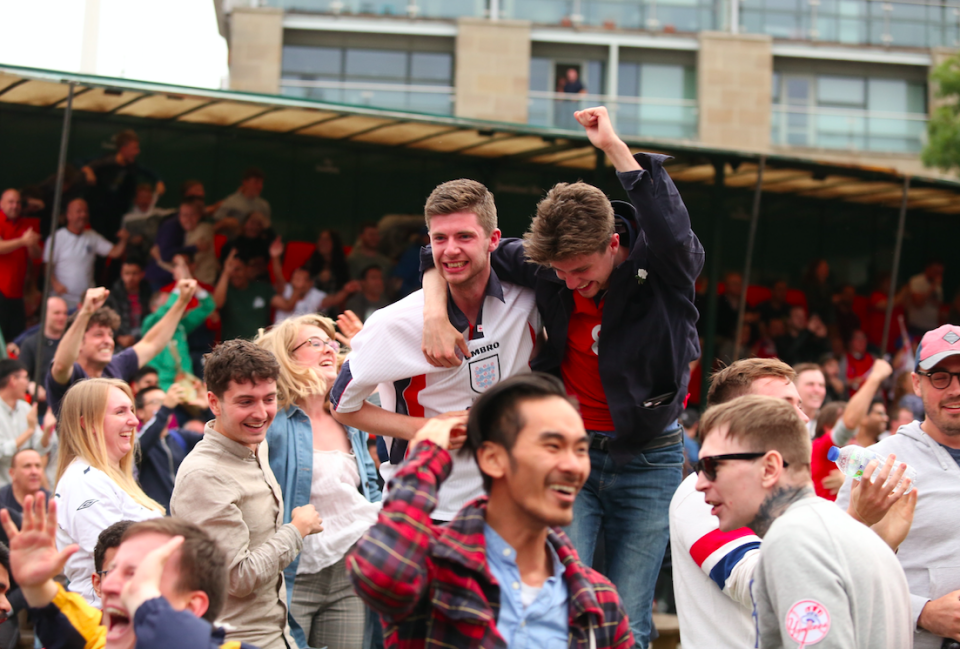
<point>848,129</point>
<point>436,100</point>
<point>642,116</point>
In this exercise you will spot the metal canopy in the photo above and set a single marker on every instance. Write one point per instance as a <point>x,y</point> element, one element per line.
<point>45,89</point>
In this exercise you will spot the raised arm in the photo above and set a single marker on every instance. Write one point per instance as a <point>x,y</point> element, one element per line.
<point>160,334</point>
<point>69,348</point>
<point>860,402</point>
<point>276,257</point>
<point>223,284</point>
<point>121,246</point>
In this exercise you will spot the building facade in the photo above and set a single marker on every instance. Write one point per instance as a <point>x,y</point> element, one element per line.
<point>838,80</point>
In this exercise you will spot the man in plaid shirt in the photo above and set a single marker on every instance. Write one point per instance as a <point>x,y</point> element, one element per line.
<point>501,573</point>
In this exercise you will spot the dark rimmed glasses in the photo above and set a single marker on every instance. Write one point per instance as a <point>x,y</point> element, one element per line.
<point>940,379</point>
<point>708,465</point>
<point>317,342</point>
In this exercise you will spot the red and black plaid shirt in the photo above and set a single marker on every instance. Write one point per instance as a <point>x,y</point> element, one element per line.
<point>431,584</point>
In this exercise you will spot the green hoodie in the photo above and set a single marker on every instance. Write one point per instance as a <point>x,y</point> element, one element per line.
<point>164,362</point>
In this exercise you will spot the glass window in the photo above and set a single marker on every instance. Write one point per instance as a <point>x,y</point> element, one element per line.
<point>662,81</point>
<point>540,74</point>
<point>628,80</point>
<point>887,95</point>
<point>594,83</point>
<point>431,68</point>
<point>377,64</point>
<point>776,88</point>
<point>917,98</point>
<point>797,91</point>
<point>841,91</point>
<point>317,61</point>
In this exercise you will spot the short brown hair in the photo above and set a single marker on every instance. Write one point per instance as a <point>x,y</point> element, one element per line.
<point>573,219</point>
<point>104,316</point>
<point>203,565</point>
<point>800,368</point>
<point>735,380</point>
<point>125,137</point>
<point>463,195</point>
<point>240,361</point>
<point>763,424</point>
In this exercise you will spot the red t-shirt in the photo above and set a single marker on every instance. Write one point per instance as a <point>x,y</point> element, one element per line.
<point>13,265</point>
<point>581,364</point>
<point>821,466</point>
<point>857,367</point>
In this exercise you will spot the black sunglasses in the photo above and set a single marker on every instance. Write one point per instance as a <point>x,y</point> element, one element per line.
<point>708,465</point>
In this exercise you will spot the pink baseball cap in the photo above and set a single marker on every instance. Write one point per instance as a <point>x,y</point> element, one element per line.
<point>937,345</point>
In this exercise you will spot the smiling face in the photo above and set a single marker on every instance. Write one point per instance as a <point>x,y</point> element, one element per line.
<point>779,388</point>
<point>245,411</point>
<point>16,385</point>
<point>322,359</point>
<point>119,425</point>
<point>10,203</point>
<point>540,477</point>
<point>78,215</point>
<point>588,274</point>
<point>96,350</point>
<point>942,407</point>
<point>738,491</point>
<point>120,630</point>
<point>461,249</point>
<point>26,472</point>
<point>812,388</point>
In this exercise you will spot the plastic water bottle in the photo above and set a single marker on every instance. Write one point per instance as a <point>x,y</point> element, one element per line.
<point>853,460</point>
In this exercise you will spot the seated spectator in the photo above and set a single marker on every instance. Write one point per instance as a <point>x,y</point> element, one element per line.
<point>235,208</point>
<point>194,190</point>
<point>366,253</point>
<point>805,340</point>
<point>199,236</point>
<point>690,421</point>
<point>856,362</point>
<point>818,289</point>
<point>26,479</point>
<point>924,297</point>
<point>19,243</point>
<point>174,363</point>
<point>146,377</point>
<point>75,249</point>
<point>171,239</point>
<point>847,321</point>
<point>830,366</point>
<point>252,243</point>
<point>243,302</point>
<point>905,397</point>
<point>328,263</point>
<point>728,306</point>
<point>371,296</point>
<point>170,603</point>
<point>776,308</point>
<point>130,298</point>
<point>95,483</point>
<point>18,419</point>
<point>104,552</point>
<point>407,270</point>
<point>87,347</point>
<point>898,417</point>
<point>143,220</point>
<point>299,297</point>
<point>54,326</point>
<point>163,446</point>
<point>766,345</point>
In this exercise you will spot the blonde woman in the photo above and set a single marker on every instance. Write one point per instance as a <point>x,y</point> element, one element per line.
<point>95,484</point>
<point>317,460</point>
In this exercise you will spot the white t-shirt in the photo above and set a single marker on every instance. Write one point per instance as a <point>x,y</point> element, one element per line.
<point>309,304</point>
<point>73,258</point>
<point>88,502</point>
<point>712,571</point>
<point>387,356</point>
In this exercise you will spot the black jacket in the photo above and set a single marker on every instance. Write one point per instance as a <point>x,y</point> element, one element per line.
<point>118,302</point>
<point>160,457</point>
<point>649,335</point>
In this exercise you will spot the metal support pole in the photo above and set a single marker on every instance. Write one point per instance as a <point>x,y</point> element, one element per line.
<point>54,216</point>
<point>494,9</point>
<point>734,16</point>
<point>706,359</point>
<point>754,218</point>
<point>898,246</point>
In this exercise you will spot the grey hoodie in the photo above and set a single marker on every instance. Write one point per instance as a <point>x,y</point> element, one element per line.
<point>930,555</point>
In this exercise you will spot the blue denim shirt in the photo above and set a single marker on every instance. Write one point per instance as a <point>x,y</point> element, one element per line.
<point>290,440</point>
<point>545,623</point>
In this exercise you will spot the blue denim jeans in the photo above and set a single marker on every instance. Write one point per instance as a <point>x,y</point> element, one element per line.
<point>631,505</point>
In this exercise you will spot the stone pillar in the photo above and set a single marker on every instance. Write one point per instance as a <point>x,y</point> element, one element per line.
<point>256,49</point>
<point>493,69</point>
<point>734,82</point>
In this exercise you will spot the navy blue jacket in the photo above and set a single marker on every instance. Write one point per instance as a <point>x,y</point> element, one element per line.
<point>160,457</point>
<point>648,336</point>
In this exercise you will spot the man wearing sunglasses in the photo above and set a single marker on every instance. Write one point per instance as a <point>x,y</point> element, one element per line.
<point>822,577</point>
<point>929,554</point>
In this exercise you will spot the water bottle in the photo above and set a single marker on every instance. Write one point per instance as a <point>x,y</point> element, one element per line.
<point>852,460</point>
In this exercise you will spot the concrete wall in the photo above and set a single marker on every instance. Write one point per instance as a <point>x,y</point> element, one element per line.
<point>493,69</point>
<point>256,49</point>
<point>734,80</point>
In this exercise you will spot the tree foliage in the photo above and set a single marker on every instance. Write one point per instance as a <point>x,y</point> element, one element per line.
<point>943,129</point>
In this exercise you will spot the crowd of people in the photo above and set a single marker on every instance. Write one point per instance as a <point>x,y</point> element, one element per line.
<point>210,446</point>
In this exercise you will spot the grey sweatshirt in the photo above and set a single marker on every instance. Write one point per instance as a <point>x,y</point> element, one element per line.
<point>825,579</point>
<point>930,555</point>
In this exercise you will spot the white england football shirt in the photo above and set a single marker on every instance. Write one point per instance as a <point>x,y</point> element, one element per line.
<point>712,571</point>
<point>387,357</point>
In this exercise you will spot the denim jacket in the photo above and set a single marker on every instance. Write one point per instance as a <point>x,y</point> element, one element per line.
<point>290,440</point>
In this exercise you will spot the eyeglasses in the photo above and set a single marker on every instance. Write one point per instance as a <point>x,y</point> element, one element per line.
<point>317,342</point>
<point>940,379</point>
<point>708,465</point>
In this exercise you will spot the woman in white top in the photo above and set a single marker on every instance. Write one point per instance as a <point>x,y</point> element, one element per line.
<point>95,484</point>
<point>319,461</point>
